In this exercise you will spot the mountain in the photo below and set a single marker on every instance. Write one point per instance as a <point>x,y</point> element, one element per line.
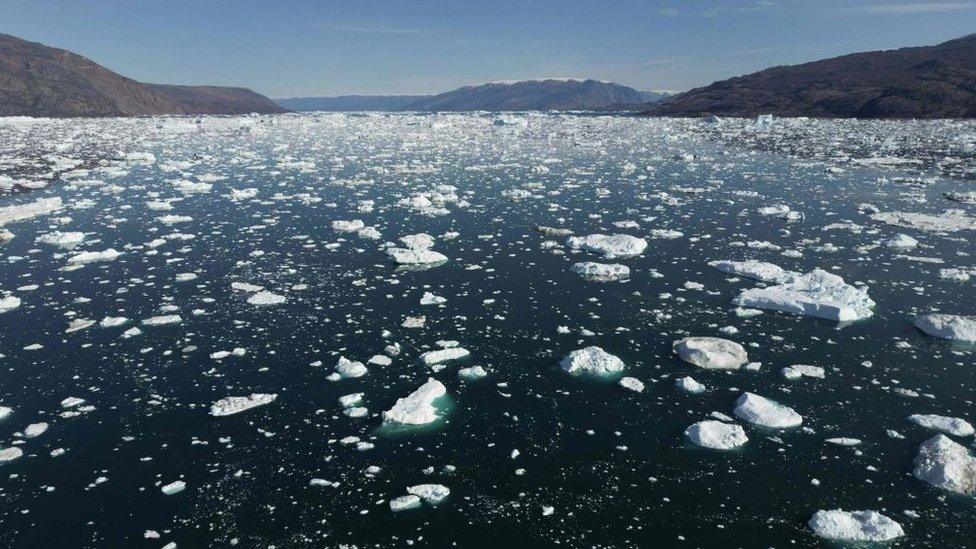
<point>531,95</point>
<point>654,96</point>
<point>347,103</point>
<point>37,80</point>
<point>920,82</point>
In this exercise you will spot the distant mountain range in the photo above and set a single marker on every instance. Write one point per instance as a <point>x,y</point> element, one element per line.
<point>523,95</point>
<point>920,82</point>
<point>37,80</point>
<point>343,103</point>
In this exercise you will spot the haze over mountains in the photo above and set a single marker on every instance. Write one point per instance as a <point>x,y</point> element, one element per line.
<point>921,82</point>
<point>523,95</point>
<point>38,80</point>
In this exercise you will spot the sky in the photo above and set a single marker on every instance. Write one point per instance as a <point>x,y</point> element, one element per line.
<point>287,48</point>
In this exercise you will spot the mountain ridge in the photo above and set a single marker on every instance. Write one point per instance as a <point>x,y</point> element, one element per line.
<point>40,80</point>
<point>914,82</point>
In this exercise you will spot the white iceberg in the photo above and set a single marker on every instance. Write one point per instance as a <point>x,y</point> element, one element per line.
<point>946,464</point>
<point>761,411</point>
<point>418,407</point>
<point>817,293</point>
<point>591,360</point>
<point>231,405</point>
<point>711,352</point>
<point>717,435</point>
<point>611,246</point>
<point>949,425</point>
<point>955,327</point>
<point>854,526</point>
<point>601,271</point>
<point>757,270</point>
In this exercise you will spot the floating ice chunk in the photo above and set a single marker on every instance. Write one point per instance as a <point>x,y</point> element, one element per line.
<point>854,526</point>
<point>777,210</point>
<point>767,413</point>
<point>611,246</point>
<point>632,384</point>
<point>949,425</point>
<point>5,412</point>
<point>349,369</point>
<point>817,293</point>
<point>843,441</point>
<point>431,299</point>
<point>231,405</point>
<point>60,239</point>
<point>591,360</point>
<point>946,464</point>
<point>72,402</point>
<point>601,271</point>
<point>245,287</point>
<point>113,321</point>
<point>161,320</point>
<point>79,324</point>
<point>432,494</point>
<point>191,187</point>
<point>407,256</point>
<point>242,194</point>
<point>90,257</point>
<point>689,385</point>
<point>402,503</point>
<point>418,407</point>
<point>35,429</point>
<point>380,360</point>
<point>414,322</point>
<point>174,488</point>
<point>347,401</point>
<point>265,297</point>
<point>472,373</point>
<point>797,371</point>
<point>419,241</point>
<point>174,219</point>
<point>901,242</point>
<point>716,435</point>
<point>348,226</point>
<point>20,212</point>
<point>950,221</point>
<point>9,303</point>
<point>956,327</point>
<point>185,277</point>
<point>443,355</point>
<point>5,236</point>
<point>758,270</point>
<point>10,454</point>
<point>711,352</point>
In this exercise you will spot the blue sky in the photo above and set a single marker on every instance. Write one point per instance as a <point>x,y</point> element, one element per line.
<point>287,48</point>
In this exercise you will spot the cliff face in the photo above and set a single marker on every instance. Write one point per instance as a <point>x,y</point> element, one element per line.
<point>922,82</point>
<point>37,80</point>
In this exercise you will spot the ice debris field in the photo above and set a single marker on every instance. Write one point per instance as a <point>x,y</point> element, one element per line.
<point>486,330</point>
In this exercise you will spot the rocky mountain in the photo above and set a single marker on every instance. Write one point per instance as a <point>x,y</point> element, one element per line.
<point>919,82</point>
<point>531,95</point>
<point>38,80</point>
<point>349,103</point>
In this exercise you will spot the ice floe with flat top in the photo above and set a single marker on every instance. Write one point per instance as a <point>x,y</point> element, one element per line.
<point>757,270</point>
<point>949,425</point>
<point>948,222</point>
<point>91,257</point>
<point>231,405</point>
<point>603,272</point>
<point>431,358</point>
<point>764,412</point>
<point>955,327</point>
<point>946,464</point>
<point>611,246</point>
<point>711,352</point>
<point>817,293</point>
<point>854,526</point>
<point>716,435</point>
<point>30,210</point>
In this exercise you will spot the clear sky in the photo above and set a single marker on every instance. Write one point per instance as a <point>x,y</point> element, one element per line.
<point>329,47</point>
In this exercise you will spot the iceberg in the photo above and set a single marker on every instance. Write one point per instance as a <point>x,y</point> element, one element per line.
<point>601,271</point>
<point>716,435</point>
<point>611,246</point>
<point>766,413</point>
<point>757,270</point>
<point>817,293</point>
<point>946,464</point>
<point>231,405</point>
<point>955,327</point>
<point>591,360</point>
<point>418,407</point>
<point>854,526</point>
<point>711,352</point>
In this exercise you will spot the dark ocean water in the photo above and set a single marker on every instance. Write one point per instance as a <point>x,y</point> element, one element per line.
<point>612,463</point>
